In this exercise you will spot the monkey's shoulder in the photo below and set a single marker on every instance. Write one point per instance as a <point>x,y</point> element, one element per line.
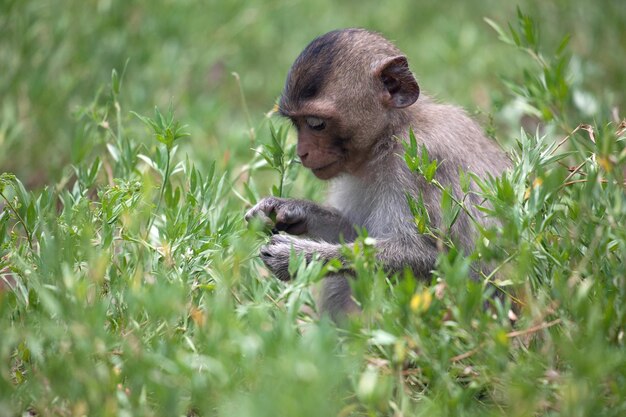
<point>450,134</point>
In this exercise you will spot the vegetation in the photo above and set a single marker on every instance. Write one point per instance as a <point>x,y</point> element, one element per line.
<point>130,285</point>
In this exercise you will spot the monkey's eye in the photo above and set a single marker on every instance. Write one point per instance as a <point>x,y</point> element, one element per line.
<point>315,123</point>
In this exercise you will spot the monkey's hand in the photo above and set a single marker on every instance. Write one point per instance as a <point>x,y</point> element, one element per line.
<point>391,252</point>
<point>282,214</point>
<point>298,217</point>
<point>276,253</point>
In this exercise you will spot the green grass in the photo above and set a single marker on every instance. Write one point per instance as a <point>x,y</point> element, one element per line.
<point>129,282</point>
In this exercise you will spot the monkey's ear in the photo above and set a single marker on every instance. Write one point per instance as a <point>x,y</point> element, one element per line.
<point>399,82</point>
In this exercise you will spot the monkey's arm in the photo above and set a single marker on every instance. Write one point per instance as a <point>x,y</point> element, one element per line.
<point>301,217</point>
<point>418,253</point>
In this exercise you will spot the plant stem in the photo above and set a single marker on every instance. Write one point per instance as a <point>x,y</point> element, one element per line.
<point>246,112</point>
<point>20,220</point>
<point>282,181</point>
<point>161,194</point>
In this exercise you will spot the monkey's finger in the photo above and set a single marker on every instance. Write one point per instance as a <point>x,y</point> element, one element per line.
<point>265,252</point>
<point>290,214</point>
<point>272,259</point>
<point>284,240</point>
<point>256,213</point>
<point>266,208</point>
<point>297,228</point>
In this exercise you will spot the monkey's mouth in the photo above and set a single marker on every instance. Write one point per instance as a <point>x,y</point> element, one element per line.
<point>326,171</point>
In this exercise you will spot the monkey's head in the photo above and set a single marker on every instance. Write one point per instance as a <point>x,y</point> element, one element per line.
<point>345,94</point>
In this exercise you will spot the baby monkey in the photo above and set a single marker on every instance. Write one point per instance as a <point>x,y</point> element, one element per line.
<point>353,99</point>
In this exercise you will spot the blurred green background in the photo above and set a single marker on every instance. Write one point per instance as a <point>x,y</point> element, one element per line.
<point>56,55</point>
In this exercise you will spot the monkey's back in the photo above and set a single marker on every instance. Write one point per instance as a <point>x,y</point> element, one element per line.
<point>376,198</point>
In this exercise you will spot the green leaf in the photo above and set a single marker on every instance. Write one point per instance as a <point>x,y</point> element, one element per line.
<point>429,172</point>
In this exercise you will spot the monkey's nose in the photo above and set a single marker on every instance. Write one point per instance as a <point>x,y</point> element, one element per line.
<point>303,155</point>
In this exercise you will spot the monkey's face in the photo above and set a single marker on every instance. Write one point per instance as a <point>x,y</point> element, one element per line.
<point>334,135</point>
<point>320,145</point>
<point>343,94</point>
<point>337,128</point>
